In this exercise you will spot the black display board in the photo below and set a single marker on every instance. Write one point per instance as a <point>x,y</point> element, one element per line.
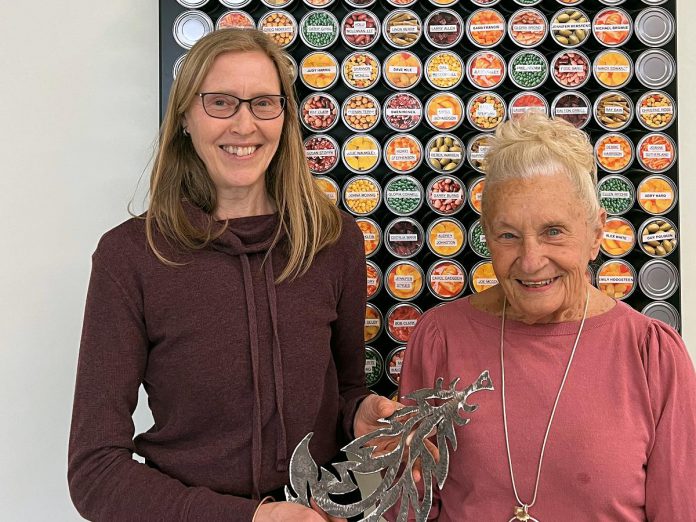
<point>170,51</point>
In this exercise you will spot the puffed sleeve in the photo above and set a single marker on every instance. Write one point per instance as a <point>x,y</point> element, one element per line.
<point>670,484</point>
<point>105,482</point>
<point>424,351</point>
<point>347,341</point>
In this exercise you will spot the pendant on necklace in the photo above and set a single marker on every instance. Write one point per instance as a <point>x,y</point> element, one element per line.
<point>522,513</point>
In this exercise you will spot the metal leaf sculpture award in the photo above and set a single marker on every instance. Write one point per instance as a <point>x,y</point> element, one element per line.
<point>409,427</point>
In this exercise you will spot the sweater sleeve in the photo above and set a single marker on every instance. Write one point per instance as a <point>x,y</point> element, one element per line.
<point>420,370</point>
<point>347,341</point>
<point>670,487</point>
<point>105,482</point>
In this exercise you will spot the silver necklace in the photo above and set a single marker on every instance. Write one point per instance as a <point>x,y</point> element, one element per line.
<point>522,508</point>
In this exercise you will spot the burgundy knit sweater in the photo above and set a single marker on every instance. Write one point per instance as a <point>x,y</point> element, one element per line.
<point>237,370</point>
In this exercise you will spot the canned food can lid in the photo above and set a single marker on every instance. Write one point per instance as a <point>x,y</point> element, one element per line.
<point>658,237</point>
<point>192,4</point>
<point>447,279</point>
<point>404,237</point>
<point>654,2</point>
<point>394,362</point>
<point>616,278</point>
<point>374,366</point>
<point>177,65</point>
<point>655,68</point>
<point>658,279</point>
<point>235,3</point>
<point>446,237</point>
<point>654,26</point>
<point>191,26</point>
<point>664,312</point>
<point>360,3</point>
<point>373,322</point>
<point>404,280</point>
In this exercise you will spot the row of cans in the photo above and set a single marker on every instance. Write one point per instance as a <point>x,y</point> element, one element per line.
<point>378,367</point>
<point>447,279</point>
<point>318,4</point>
<point>447,237</point>
<point>404,153</point>
<point>570,27</point>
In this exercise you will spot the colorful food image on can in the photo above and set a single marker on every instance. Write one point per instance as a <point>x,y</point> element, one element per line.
<point>476,150</point>
<point>401,320</point>
<point>477,240</point>
<point>404,237</point>
<point>657,152</point>
<point>395,360</point>
<point>446,279</point>
<point>319,70</point>
<point>403,195</point>
<point>657,194</point>
<point>373,323</point>
<point>486,111</point>
<point>614,152</point>
<point>486,69</point>
<point>570,27</point>
<point>476,193</point>
<point>444,153</point>
<point>329,187</point>
<point>404,280</point>
<point>361,153</point>
<point>570,69</point>
<point>360,70</point>
<point>235,19</point>
<point>573,107</point>
<point>528,27</point>
<point>613,110</point>
<point>485,27</point>
<point>402,70</point>
<point>360,29</point>
<point>402,28</point>
<point>319,112</point>
<point>612,27</point>
<point>446,237</point>
<point>319,29</point>
<point>656,110</point>
<point>374,279</point>
<point>618,237</point>
<point>482,277</point>
<point>444,111</point>
<point>372,235</point>
<point>280,26</point>
<point>321,151</point>
<point>374,366</point>
<point>444,28</point>
<point>402,111</point>
<point>361,112</point>
<point>403,153</point>
<point>528,69</point>
<point>613,68</point>
<point>616,278</point>
<point>361,195</point>
<point>446,195</point>
<point>616,194</point>
<point>527,102</point>
<point>444,70</point>
<point>658,237</point>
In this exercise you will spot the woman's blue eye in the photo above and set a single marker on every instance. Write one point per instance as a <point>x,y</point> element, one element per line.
<point>554,232</point>
<point>507,235</point>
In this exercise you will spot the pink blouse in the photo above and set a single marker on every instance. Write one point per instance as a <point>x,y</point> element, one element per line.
<point>622,446</point>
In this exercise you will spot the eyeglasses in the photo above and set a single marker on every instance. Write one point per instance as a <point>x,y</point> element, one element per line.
<point>221,105</point>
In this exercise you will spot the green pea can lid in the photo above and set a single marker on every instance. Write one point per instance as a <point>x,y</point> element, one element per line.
<point>515,68</point>
<point>655,26</point>
<point>665,312</point>
<point>655,68</point>
<point>395,360</point>
<point>191,26</point>
<point>374,366</point>
<point>659,237</point>
<point>413,195</point>
<point>309,27</point>
<point>658,279</point>
<point>477,240</point>
<point>435,156</point>
<point>625,193</point>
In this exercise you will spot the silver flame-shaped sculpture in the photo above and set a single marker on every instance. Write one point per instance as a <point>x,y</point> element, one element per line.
<point>410,426</point>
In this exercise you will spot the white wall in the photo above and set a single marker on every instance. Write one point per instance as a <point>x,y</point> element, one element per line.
<point>78,99</point>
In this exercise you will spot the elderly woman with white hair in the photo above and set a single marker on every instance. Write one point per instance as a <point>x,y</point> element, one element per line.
<point>593,414</point>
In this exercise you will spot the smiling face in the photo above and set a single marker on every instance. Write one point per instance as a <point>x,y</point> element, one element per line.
<point>237,151</point>
<point>541,242</point>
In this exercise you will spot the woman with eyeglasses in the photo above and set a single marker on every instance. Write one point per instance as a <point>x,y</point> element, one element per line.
<point>238,302</point>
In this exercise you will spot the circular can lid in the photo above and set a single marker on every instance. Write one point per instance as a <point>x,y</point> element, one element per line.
<point>374,366</point>
<point>486,69</point>
<point>399,34</point>
<point>356,33</point>
<point>654,26</point>
<point>447,279</point>
<point>192,4</point>
<point>402,70</point>
<point>618,237</point>
<point>360,77</point>
<point>374,279</point>
<point>361,200</point>
<point>486,21</point>
<point>614,152</point>
<point>374,321</point>
<point>235,19</point>
<point>329,187</point>
<point>657,194</point>
<point>444,153</point>
<point>404,280</point>
<point>655,68</point>
<point>394,361</point>
<point>475,157</point>
<point>272,3</point>
<point>444,111</point>
<point>446,194</point>
<point>578,113</point>
<point>324,157</point>
<point>573,24</point>
<point>526,102</point>
<point>485,111</point>
<point>541,68</point>
<point>656,152</point>
<point>530,33</point>
<point>476,193</point>
<point>658,237</point>
<point>278,33</point>
<point>563,2</point>
<point>482,276</point>
<point>318,4</point>
<point>361,153</point>
<point>403,153</point>
<point>656,110</point>
<point>308,30</point>
<point>616,194</point>
<point>402,111</point>
<point>177,65</point>
<point>477,240</point>
<point>404,237</point>
<point>658,279</point>
<point>357,115</point>
<point>360,3</point>
<point>446,243</point>
<point>665,312</point>
<point>319,112</point>
<point>444,70</point>
<point>605,27</point>
<point>401,319</point>
<point>372,235</point>
<point>616,278</point>
<point>608,72</point>
<point>613,110</point>
<point>403,195</point>
<point>654,2</point>
<point>570,69</point>
<point>191,26</point>
<point>444,35</point>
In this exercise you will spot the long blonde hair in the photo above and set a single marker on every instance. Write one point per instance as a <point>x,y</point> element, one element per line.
<point>308,219</point>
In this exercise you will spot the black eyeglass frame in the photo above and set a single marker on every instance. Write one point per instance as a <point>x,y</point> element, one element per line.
<point>283,102</point>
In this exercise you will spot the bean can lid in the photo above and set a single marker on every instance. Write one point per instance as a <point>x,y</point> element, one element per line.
<point>363,189</point>
<point>658,237</point>
<point>654,2</point>
<point>391,28</point>
<point>579,24</point>
<point>394,362</point>
<point>656,110</point>
<point>191,26</point>
<point>374,366</point>
<point>356,33</point>
<point>655,68</point>
<point>318,4</point>
<point>321,151</point>
<point>444,111</point>
<point>480,142</point>
<point>446,194</point>
<point>485,111</point>
<point>570,69</point>
<point>319,112</point>
<point>658,279</point>
<point>355,109</point>
<point>278,33</point>
<point>273,3</point>
<point>444,153</point>
<point>654,26</point>
<point>664,312</point>
<point>404,237</point>
<point>361,77</point>
<point>360,3</point>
